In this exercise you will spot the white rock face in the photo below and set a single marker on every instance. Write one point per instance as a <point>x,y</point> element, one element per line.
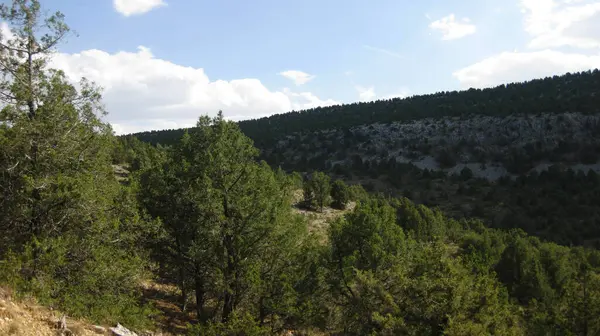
<point>119,330</point>
<point>473,141</point>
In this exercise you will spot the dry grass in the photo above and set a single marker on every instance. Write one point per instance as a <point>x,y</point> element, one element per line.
<point>318,222</point>
<point>13,328</point>
<point>79,330</point>
<point>25,318</point>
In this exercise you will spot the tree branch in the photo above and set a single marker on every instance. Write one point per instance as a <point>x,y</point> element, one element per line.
<point>5,46</point>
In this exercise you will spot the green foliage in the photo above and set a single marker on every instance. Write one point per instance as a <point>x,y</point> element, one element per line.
<point>388,284</point>
<point>521,269</point>
<point>69,233</point>
<point>243,325</point>
<point>340,194</point>
<point>136,154</point>
<point>426,223</point>
<point>357,193</point>
<point>227,221</point>
<point>99,283</point>
<point>222,227</point>
<point>317,190</point>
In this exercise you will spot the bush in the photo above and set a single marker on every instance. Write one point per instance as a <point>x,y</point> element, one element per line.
<point>340,194</point>
<point>466,174</point>
<point>446,159</point>
<point>82,278</point>
<point>236,326</point>
<point>317,191</point>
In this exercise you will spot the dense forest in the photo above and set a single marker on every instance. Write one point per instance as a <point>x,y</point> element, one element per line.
<point>88,220</point>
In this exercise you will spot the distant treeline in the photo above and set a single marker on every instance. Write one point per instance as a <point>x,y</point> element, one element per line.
<point>572,92</point>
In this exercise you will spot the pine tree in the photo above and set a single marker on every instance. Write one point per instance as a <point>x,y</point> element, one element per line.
<point>227,215</point>
<point>340,195</point>
<point>317,190</point>
<point>64,218</point>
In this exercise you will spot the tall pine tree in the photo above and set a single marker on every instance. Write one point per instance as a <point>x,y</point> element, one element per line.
<point>67,228</point>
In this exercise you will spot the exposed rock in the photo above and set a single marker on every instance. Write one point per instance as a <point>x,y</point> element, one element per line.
<point>119,330</point>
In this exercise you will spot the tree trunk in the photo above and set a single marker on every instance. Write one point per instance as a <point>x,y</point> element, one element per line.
<point>585,306</point>
<point>183,298</point>
<point>262,311</point>
<point>227,305</point>
<point>199,297</point>
<point>229,271</point>
<point>181,262</point>
<point>35,224</point>
<point>30,98</point>
<point>229,295</point>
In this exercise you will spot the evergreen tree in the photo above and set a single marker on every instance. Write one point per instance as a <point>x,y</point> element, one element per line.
<point>226,215</point>
<point>388,284</point>
<point>340,194</point>
<point>68,230</point>
<point>317,190</point>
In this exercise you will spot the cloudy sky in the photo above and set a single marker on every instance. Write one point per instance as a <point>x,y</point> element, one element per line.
<point>162,63</point>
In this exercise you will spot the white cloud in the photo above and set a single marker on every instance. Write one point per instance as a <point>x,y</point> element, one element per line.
<point>522,66</point>
<point>142,92</point>
<point>452,29</point>
<point>366,94</point>
<point>6,33</point>
<point>550,24</point>
<point>307,100</point>
<point>402,93</point>
<point>556,23</point>
<point>298,77</point>
<point>136,7</point>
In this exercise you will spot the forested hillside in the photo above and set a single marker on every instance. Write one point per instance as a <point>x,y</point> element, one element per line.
<point>388,267</point>
<point>577,92</point>
<point>522,155</point>
<point>203,237</point>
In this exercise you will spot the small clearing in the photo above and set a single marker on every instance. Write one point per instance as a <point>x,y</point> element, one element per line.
<point>318,222</point>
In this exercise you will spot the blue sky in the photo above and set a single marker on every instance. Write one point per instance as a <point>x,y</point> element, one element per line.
<point>162,63</point>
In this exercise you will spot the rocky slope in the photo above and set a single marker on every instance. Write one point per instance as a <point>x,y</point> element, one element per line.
<point>491,147</point>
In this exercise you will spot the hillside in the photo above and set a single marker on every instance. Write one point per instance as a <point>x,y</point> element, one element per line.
<point>491,147</point>
<point>202,237</point>
<point>576,92</point>
<point>521,155</point>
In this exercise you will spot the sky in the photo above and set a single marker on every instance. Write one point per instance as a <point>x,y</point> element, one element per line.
<point>163,63</point>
